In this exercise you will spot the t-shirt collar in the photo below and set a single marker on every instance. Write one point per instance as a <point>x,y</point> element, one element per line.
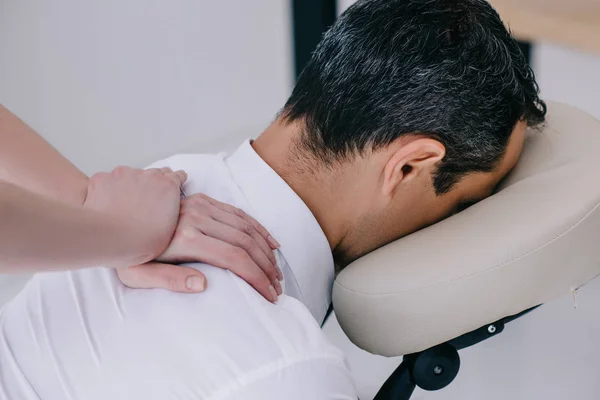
<point>279,209</point>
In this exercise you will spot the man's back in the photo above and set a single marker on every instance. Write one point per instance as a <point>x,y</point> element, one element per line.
<point>83,335</point>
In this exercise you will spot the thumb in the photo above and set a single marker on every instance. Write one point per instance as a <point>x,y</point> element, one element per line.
<point>166,276</point>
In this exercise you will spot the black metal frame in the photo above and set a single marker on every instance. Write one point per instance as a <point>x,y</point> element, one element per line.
<point>310,19</point>
<point>526,48</point>
<point>436,368</point>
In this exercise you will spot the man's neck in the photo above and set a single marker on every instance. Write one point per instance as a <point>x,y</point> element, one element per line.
<point>277,147</point>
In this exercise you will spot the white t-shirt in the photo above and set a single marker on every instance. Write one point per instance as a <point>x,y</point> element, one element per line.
<point>83,335</point>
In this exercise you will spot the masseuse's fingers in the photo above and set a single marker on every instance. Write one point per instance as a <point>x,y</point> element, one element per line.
<point>206,233</point>
<point>245,234</point>
<point>149,198</point>
<point>179,177</point>
<point>235,259</point>
<point>156,275</point>
<point>236,211</point>
<point>238,238</point>
<point>191,244</point>
<point>242,232</point>
<point>241,222</point>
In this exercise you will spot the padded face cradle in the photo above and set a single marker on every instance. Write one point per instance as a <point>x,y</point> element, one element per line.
<point>535,239</point>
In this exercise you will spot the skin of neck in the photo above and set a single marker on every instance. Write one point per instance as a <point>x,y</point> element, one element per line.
<point>329,191</point>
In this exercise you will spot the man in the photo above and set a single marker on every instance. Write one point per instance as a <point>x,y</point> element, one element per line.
<point>407,112</point>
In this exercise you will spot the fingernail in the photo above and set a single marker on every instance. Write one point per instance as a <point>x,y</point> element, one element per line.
<point>273,293</point>
<point>274,243</point>
<point>278,287</point>
<point>279,274</point>
<point>195,283</point>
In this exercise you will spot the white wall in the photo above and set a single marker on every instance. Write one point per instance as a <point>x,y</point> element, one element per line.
<point>569,76</point>
<point>114,81</point>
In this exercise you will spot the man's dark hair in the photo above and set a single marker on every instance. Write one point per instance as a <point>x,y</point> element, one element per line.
<point>445,69</point>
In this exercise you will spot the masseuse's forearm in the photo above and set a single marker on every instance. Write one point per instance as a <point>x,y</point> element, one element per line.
<point>28,161</point>
<point>38,233</point>
<point>88,238</point>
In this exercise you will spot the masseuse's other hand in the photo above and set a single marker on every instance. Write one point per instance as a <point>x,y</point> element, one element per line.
<point>147,201</point>
<point>218,234</point>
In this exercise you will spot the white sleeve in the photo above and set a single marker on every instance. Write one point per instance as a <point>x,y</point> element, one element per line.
<point>314,379</point>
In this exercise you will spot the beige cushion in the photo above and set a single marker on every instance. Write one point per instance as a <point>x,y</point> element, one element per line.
<point>535,239</point>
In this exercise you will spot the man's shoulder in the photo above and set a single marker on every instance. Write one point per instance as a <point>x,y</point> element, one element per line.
<point>207,173</point>
<point>188,161</point>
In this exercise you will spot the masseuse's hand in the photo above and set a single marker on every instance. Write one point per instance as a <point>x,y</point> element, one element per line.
<point>147,202</point>
<point>218,234</point>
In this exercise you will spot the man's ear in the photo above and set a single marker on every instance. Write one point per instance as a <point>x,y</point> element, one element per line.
<point>410,159</point>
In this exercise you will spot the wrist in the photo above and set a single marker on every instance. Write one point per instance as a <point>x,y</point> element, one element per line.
<point>139,243</point>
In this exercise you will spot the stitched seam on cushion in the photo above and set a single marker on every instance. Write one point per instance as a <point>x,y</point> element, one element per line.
<point>563,233</point>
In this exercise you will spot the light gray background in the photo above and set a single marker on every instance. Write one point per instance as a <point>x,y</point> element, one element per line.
<point>130,81</point>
